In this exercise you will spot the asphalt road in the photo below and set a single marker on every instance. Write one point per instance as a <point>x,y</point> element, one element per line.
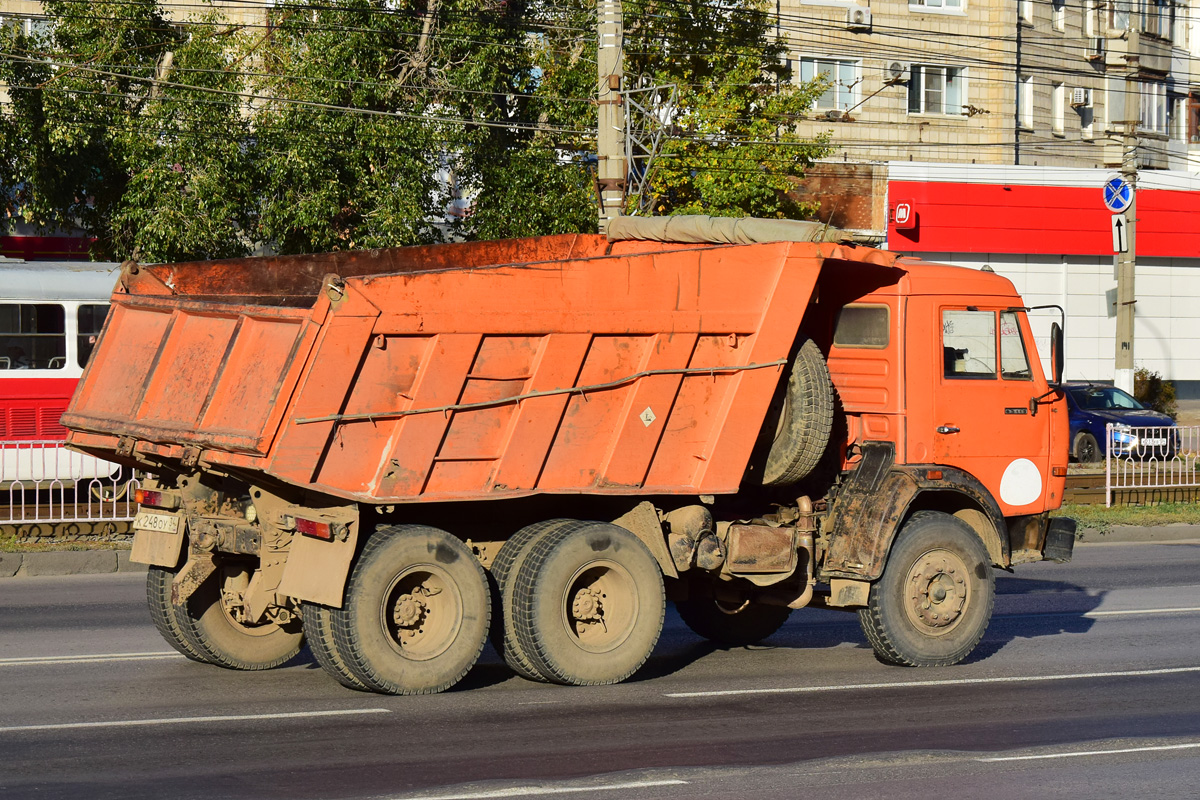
<point>1087,685</point>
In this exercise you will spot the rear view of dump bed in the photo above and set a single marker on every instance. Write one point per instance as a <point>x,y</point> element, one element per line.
<point>467,371</point>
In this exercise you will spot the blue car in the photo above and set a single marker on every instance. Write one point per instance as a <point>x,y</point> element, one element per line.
<point>1091,407</point>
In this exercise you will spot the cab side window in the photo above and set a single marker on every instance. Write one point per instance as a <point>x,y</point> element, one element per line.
<point>1014,363</point>
<point>969,344</point>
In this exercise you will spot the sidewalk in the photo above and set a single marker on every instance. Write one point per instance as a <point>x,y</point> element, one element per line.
<point>98,562</point>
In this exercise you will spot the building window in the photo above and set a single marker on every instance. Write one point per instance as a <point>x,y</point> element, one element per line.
<point>1157,18</point>
<point>936,90</point>
<point>1058,102</point>
<point>1025,102</point>
<point>1153,116</point>
<point>1193,119</point>
<point>935,5</point>
<point>842,77</point>
<point>1118,15</point>
<point>1114,102</point>
<point>1058,14</point>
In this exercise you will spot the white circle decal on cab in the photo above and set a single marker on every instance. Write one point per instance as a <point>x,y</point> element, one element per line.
<point>1021,483</point>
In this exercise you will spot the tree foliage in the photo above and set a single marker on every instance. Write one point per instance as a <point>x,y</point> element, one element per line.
<point>357,124</point>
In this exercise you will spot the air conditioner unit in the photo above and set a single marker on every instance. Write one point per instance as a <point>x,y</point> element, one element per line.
<point>1081,97</point>
<point>895,72</point>
<point>1095,48</point>
<point>858,18</point>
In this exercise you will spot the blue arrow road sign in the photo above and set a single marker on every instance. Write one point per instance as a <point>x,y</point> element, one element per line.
<point>1118,195</point>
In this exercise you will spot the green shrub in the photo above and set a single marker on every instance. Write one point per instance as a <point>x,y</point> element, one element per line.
<point>1152,391</point>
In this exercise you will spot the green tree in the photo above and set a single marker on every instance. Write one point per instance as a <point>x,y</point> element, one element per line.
<point>104,134</point>
<point>733,148</point>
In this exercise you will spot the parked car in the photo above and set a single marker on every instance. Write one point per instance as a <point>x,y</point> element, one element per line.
<point>1140,432</point>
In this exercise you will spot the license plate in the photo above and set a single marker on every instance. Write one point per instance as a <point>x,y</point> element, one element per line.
<point>1153,442</point>
<point>149,521</point>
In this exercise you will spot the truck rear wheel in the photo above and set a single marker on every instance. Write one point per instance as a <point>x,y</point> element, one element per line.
<point>805,420</point>
<point>934,601</point>
<point>587,604</point>
<point>416,613</point>
<point>318,632</point>
<point>158,598</point>
<point>731,625</point>
<point>220,639</point>
<point>511,555</point>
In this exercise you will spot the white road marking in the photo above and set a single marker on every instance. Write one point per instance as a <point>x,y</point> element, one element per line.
<point>134,723</point>
<point>91,658</point>
<point>1141,611</point>
<point>1191,746</point>
<point>947,682</point>
<point>534,791</point>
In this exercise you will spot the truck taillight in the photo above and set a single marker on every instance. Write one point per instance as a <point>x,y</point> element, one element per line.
<point>317,530</point>
<point>146,497</point>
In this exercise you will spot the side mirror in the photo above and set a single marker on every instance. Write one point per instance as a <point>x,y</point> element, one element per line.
<point>1057,355</point>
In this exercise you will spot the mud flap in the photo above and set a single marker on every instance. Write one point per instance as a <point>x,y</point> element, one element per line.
<point>158,548</point>
<point>316,569</point>
<point>1060,540</point>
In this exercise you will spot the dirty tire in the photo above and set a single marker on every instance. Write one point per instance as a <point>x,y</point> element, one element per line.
<point>1085,448</point>
<point>934,601</point>
<point>318,632</point>
<point>588,604</point>
<point>221,640</point>
<point>158,598</point>
<point>805,420</point>
<point>416,612</point>
<point>511,554</point>
<point>731,626</point>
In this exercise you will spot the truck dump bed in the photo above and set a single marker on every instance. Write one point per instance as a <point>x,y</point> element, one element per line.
<point>464,371</point>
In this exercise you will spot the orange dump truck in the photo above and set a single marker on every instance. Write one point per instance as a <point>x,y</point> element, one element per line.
<point>398,453</point>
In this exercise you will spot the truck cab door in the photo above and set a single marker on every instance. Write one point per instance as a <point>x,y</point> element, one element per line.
<point>986,373</point>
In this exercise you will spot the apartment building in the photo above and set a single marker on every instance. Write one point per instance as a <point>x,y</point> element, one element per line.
<point>1031,82</point>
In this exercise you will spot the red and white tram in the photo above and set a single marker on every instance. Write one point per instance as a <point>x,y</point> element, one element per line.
<point>50,315</point>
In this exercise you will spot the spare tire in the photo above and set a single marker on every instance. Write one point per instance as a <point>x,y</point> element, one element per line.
<point>805,420</point>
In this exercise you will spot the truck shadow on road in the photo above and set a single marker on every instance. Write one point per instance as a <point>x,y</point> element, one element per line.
<point>1026,608</point>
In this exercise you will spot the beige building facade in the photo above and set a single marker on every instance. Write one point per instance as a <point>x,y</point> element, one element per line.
<point>1030,83</point>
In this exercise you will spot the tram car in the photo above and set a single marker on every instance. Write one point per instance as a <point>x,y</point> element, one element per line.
<point>51,313</point>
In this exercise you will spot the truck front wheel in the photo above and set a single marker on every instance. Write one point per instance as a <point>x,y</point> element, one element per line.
<point>211,629</point>
<point>934,601</point>
<point>416,612</point>
<point>587,604</point>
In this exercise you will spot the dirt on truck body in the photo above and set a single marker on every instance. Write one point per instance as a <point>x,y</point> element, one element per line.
<point>399,453</point>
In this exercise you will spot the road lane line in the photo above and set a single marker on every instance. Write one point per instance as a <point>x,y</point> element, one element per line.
<point>1141,611</point>
<point>534,791</point>
<point>947,682</point>
<point>1154,749</point>
<point>134,723</point>
<point>89,658</point>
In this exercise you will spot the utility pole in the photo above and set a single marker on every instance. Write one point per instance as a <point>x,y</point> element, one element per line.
<point>610,134</point>
<point>1127,260</point>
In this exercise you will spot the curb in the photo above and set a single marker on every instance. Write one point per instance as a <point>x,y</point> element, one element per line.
<point>1175,532</point>
<point>66,562</point>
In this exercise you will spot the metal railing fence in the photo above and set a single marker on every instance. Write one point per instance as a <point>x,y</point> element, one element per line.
<point>43,481</point>
<point>1160,457</point>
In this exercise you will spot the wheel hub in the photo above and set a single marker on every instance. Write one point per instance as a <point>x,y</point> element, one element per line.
<point>586,606</point>
<point>937,590</point>
<point>409,611</point>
